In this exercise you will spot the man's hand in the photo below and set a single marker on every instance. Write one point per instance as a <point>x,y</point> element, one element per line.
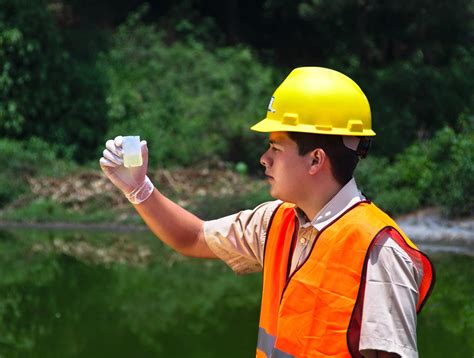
<point>133,182</point>
<point>171,223</point>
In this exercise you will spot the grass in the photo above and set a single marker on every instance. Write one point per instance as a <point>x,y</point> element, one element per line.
<point>47,210</point>
<point>99,210</point>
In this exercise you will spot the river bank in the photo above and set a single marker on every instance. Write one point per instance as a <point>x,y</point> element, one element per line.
<point>426,225</point>
<point>87,201</point>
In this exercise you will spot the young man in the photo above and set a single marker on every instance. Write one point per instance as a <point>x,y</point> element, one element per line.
<point>340,279</point>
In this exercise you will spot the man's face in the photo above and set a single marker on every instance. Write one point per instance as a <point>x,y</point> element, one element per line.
<point>285,169</point>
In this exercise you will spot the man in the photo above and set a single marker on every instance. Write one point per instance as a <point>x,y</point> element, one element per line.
<point>340,279</point>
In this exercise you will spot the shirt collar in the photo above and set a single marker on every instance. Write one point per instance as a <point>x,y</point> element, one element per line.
<point>348,196</point>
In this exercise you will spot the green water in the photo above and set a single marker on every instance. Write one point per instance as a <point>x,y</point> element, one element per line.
<point>83,294</point>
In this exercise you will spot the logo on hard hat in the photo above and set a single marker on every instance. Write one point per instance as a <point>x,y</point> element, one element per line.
<point>270,109</point>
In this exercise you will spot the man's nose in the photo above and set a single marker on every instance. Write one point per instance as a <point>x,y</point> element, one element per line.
<point>265,159</point>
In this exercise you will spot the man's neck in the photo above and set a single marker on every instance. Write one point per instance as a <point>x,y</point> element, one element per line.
<point>319,195</point>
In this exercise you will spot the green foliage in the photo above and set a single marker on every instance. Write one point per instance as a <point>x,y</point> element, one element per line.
<point>173,81</point>
<point>45,92</point>
<point>42,210</point>
<point>241,168</point>
<point>398,187</point>
<point>180,85</point>
<point>453,179</point>
<point>416,75</point>
<point>380,32</point>
<point>436,172</point>
<point>190,103</point>
<point>411,100</point>
<point>25,159</point>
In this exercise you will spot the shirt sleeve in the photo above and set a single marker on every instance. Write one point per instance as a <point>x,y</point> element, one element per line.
<point>239,239</point>
<point>391,295</point>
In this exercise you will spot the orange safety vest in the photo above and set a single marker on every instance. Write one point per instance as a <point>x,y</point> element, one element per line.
<point>317,311</point>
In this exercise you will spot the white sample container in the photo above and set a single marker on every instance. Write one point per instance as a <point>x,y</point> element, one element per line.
<point>132,152</point>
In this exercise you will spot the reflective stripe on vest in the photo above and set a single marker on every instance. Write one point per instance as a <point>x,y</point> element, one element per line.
<point>316,312</point>
<point>266,344</point>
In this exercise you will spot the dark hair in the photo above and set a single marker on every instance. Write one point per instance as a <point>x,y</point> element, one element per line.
<point>343,160</point>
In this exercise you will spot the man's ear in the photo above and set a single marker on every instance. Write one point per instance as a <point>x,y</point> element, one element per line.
<point>318,158</point>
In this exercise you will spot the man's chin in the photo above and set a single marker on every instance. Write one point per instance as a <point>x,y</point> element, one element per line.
<point>274,194</point>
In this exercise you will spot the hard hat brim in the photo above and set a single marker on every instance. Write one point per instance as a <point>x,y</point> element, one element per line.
<point>268,125</point>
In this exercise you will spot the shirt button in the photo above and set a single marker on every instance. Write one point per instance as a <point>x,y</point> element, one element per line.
<point>302,241</point>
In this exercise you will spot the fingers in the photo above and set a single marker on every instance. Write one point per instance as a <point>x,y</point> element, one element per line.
<point>106,163</point>
<point>111,157</point>
<point>144,148</point>
<point>113,148</point>
<point>113,154</point>
<point>118,141</point>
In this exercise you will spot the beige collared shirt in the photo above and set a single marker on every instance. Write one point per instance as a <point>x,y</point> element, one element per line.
<point>392,281</point>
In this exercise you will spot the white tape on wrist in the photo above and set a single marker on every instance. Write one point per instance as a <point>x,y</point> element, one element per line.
<point>141,193</point>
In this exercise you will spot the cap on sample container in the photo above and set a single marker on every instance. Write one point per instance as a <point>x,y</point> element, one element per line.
<point>132,151</point>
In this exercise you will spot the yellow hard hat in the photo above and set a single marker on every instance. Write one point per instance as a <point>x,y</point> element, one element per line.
<point>318,100</point>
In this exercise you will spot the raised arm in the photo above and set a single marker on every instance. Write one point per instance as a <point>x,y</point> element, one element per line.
<point>174,225</point>
<point>171,223</point>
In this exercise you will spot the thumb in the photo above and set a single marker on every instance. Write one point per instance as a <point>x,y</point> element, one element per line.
<point>144,148</point>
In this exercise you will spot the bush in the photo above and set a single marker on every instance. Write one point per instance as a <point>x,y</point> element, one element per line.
<point>436,172</point>
<point>45,92</point>
<point>411,99</point>
<point>453,179</point>
<point>191,103</point>
<point>21,160</point>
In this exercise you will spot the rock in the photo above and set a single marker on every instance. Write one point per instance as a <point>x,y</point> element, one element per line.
<point>428,226</point>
